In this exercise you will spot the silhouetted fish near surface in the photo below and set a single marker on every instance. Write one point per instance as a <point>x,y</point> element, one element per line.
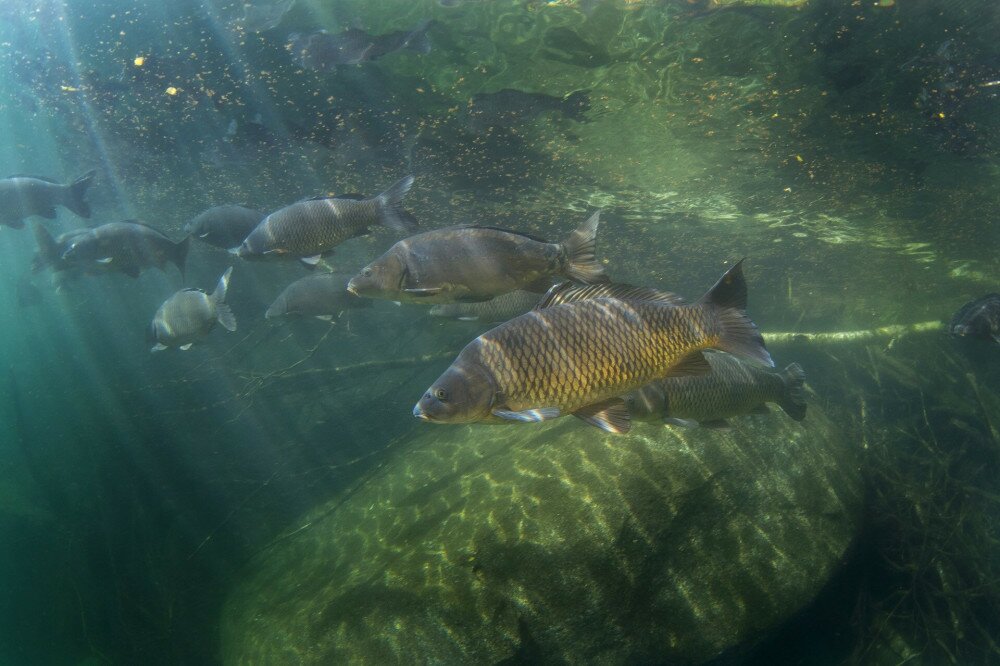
<point>309,229</point>
<point>510,108</point>
<point>497,309</point>
<point>579,358</point>
<point>190,314</point>
<point>471,263</point>
<point>125,247</point>
<point>978,319</point>
<point>323,296</point>
<point>224,226</point>
<point>323,51</point>
<point>734,387</point>
<point>24,196</point>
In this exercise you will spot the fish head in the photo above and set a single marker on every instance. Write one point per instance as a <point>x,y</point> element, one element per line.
<point>465,393</point>
<point>380,279</point>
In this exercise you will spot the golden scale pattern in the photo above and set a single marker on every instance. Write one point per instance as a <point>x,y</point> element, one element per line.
<point>540,360</point>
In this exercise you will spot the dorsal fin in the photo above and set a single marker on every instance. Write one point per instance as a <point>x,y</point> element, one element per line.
<point>731,289</point>
<point>569,292</point>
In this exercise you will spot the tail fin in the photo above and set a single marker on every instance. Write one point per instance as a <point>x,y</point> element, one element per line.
<point>418,40</point>
<point>48,249</point>
<point>180,253</point>
<point>575,105</point>
<point>223,313</point>
<point>739,334</point>
<point>75,201</point>
<point>794,401</point>
<point>390,202</point>
<point>581,248</point>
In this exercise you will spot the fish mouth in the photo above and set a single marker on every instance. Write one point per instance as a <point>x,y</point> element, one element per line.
<point>419,413</point>
<point>354,290</point>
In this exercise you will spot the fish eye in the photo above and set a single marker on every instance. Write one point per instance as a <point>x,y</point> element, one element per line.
<point>441,394</point>
<point>367,272</point>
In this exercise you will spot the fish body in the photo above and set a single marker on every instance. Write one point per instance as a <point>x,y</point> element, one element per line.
<point>978,319</point>
<point>323,296</point>
<point>190,314</point>
<point>224,226</point>
<point>510,108</point>
<point>472,263</point>
<point>24,196</point>
<point>125,247</point>
<point>497,309</point>
<point>309,229</point>
<point>581,357</point>
<point>323,51</point>
<point>734,387</point>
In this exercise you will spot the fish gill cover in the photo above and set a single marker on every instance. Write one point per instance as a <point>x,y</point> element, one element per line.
<point>188,506</point>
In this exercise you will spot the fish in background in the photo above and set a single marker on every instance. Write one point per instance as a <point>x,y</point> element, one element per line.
<point>22,196</point>
<point>512,108</point>
<point>579,358</point>
<point>323,296</point>
<point>125,247</point>
<point>224,226</point>
<point>734,387</point>
<point>497,309</point>
<point>191,314</point>
<point>309,229</point>
<point>264,16</point>
<point>474,263</point>
<point>979,319</point>
<point>323,51</point>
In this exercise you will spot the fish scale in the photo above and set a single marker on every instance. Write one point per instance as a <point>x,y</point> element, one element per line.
<point>541,360</point>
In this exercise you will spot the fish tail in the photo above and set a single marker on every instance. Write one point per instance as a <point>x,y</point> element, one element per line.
<point>740,336</point>
<point>180,252</point>
<point>77,190</point>
<point>794,400</point>
<point>418,40</point>
<point>48,249</point>
<point>391,212</point>
<point>581,253</point>
<point>223,313</point>
<point>576,104</point>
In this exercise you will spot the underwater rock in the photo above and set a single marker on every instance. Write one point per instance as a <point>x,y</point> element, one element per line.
<point>476,544</point>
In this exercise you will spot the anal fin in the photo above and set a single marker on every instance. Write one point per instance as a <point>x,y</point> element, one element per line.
<point>610,415</point>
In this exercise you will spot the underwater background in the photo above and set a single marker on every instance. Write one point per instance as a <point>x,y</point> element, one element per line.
<point>268,497</point>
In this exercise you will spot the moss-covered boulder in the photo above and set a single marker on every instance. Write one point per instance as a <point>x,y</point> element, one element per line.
<point>558,542</point>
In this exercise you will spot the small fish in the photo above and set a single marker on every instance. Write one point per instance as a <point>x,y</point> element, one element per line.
<point>190,314</point>
<point>511,108</point>
<point>322,51</point>
<point>309,229</point>
<point>579,358</point>
<point>472,263</point>
<point>224,226</point>
<point>978,319</point>
<point>125,247</point>
<point>734,387</point>
<point>497,309</point>
<point>23,196</point>
<point>323,296</point>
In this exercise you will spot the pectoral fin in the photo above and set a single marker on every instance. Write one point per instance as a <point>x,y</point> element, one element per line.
<point>186,347</point>
<point>105,260</point>
<point>157,347</point>
<point>311,261</point>
<point>610,415</point>
<point>325,317</point>
<point>528,415</point>
<point>683,423</point>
